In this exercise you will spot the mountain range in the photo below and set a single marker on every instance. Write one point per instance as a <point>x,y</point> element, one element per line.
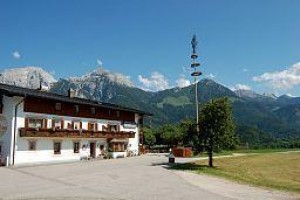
<point>277,116</point>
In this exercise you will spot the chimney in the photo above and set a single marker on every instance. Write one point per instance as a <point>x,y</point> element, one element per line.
<point>43,87</point>
<point>71,93</point>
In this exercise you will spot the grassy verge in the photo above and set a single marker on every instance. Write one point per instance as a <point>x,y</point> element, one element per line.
<point>274,170</point>
<point>264,150</point>
<point>244,151</point>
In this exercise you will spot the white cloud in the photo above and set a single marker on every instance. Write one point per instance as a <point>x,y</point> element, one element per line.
<point>182,82</point>
<point>240,87</point>
<point>155,82</point>
<point>285,79</point>
<point>16,55</point>
<point>245,70</point>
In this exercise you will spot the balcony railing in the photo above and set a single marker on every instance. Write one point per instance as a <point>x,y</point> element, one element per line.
<point>65,133</point>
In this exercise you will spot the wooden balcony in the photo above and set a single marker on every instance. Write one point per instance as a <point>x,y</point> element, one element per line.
<point>64,133</point>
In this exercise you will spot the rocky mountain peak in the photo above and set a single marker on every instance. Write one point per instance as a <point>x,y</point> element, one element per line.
<point>246,93</point>
<point>271,95</point>
<point>29,77</point>
<point>101,74</point>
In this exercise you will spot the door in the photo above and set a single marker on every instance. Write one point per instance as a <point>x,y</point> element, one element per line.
<point>93,149</point>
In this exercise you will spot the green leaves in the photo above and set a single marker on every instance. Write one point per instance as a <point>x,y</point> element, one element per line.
<point>217,125</point>
<point>171,134</point>
<point>149,137</point>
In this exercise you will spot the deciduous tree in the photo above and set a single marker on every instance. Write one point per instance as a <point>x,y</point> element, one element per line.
<point>217,126</point>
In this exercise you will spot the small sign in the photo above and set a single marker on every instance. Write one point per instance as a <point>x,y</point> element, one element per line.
<point>129,125</point>
<point>110,122</point>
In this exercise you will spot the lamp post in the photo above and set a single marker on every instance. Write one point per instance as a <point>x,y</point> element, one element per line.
<point>195,74</point>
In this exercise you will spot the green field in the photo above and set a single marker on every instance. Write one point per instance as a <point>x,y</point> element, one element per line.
<point>279,170</point>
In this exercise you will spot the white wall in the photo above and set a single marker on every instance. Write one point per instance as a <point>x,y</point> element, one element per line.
<point>118,154</point>
<point>7,138</point>
<point>45,152</point>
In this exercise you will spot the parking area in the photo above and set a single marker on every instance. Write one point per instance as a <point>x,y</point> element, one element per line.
<point>143,177</point>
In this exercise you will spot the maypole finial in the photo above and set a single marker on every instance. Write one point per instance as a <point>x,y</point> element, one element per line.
<point>194,43</point>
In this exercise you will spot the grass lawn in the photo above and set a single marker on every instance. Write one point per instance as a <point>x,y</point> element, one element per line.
<point>243,151</point>
<point>272,169</point>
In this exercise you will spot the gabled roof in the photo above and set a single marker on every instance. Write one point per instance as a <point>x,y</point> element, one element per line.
<point>10,90</point>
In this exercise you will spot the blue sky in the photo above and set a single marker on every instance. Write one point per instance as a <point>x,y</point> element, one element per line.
<point>242,44</point>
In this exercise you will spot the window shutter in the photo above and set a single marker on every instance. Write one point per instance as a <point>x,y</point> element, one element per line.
<point>72,124</point>
<point>80,125</point>
<point>118,127</point>
<point>53,123</point>
<point>62,124</point>
<point>26,122</point>
<point>96,126</point>
<point>45,123</point>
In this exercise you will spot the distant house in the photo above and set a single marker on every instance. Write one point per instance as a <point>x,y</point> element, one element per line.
<point>38,126</point>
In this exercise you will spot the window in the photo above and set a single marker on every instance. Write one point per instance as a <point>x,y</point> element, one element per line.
<point>117,147</point>
<point>77,125</point>
<point>56,123</point>
<point>31,145</point>
<point>114,128</point>
<point>57,147</point>
<point>118,113</point>
<point>109,112</point>
<point>57,106</point>
<point>92,127</point>
<point>76,147</point>
<point>69,126</point>
<point>105,128</point>
<point>35,123</point>
<point>77,108</point>
<point>93,110</point>
<point>101,147</point>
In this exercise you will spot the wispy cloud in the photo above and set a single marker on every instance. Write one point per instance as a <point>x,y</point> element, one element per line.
<point>245,70</point>
<point>99,62</point>
<point>16,55</point>
<point>240,87</point>
<point>155,82</point>
<point>285,79</point>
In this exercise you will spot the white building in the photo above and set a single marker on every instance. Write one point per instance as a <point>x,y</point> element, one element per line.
<point>37,126</point>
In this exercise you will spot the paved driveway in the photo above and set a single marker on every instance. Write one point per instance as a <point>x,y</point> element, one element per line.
<point>139,178</point>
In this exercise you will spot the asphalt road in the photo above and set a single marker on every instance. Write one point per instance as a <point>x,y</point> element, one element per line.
<point>136,178</point>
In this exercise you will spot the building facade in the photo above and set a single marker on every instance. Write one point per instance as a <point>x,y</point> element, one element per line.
<point>37,126</point>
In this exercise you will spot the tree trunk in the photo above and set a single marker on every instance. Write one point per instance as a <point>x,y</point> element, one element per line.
<point>210,154</point>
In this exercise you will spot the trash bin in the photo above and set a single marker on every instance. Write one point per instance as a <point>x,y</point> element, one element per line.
<point>171,158</point>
